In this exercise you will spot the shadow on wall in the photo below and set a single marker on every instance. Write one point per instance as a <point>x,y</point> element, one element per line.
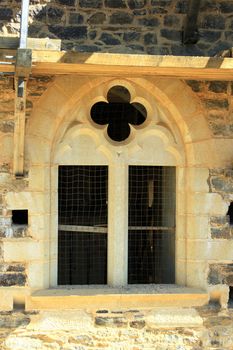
<point>123,26</point>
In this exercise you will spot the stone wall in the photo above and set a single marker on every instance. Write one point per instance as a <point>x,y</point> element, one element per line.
<point>217,101</point>
<point>207,329</point>
<point>132,26</point>
<point>221,181</point>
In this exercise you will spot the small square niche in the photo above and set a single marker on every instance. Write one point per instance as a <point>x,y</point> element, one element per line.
<point>20,217</point>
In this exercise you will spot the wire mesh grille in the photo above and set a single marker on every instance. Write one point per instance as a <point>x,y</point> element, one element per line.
<point>82,219</point>
<point>151,237</point>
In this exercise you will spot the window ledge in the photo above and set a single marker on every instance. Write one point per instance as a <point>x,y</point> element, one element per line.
<point>133,296</point>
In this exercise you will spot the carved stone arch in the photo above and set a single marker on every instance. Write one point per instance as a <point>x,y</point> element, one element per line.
<point>181,112</point>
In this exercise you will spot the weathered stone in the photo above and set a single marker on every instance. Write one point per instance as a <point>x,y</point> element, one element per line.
<point>221,233</point>
<point>226,7</point>
<point>4,267</point>
<point>111,321</point>
<point>92,34</point>
<point>12,279</point>
<point>87,48</point>
<point>115,3</point>
<point>216,103</point>
<point>91,3</point>
<point>157,50</point>
<point>220,274</point>
<point>54,14</point>
<point>218,48</point>
<point>161,2</point>
<point>121,18</point>
<point>6,14</point>
<point>171,20</point>
<point>136,4</point>
<point>109,39</point>
<point>222,184</point>
<point>218,86</point>
<point>75,18</point>
<point>97,18</point>
<point>219,220</point>
<point>137,324</point>
<point>136,48</point>
<point>194,84</point>
<point>150,38</point>
<point>69,32</point>
<point>7,126</point>
<point>181,6</point>
<point>131,36</point>
<point>209,35</point>
<point>174,35</point>
<point>141,12</point>
<point>102,311</point>
<point>67,2</point>
<point>213,22</point>
<point>149,22</point>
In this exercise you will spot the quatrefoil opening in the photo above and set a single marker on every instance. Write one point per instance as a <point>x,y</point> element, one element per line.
<point>118,113</point>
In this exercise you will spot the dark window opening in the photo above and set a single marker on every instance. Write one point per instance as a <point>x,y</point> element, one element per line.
<point>20,217</point>
<point>82,219</point>
<point>151,240</point>
<point>230,213</point>
<point>230,300</point>
<point>118,113</point>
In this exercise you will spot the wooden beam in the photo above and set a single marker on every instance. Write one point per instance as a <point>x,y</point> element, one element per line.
<point>131,71</point>
<point>19,130</point>
<point>190,31</point>
<point>125,65</point>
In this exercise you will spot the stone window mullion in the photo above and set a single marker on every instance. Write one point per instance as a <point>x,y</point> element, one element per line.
<point>118,224</point>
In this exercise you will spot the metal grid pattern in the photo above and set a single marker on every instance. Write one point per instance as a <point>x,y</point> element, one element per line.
<point>151,236</point>
<point>82,236</point>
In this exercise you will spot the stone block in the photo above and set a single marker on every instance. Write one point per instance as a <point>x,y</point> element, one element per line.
<point>109,39</point>
<point>174,317</point>
<point>213,21</point>
<point>222,184</point>
<point>165,3</point>
<point>121,18</point>
<point>149,22</point>
<point>136,4</point>
<point>6,14</point>
<point>195,85</point>
<point>75,18</point>
<point>220,274</point>
<point>226,7</point>
<point>97,18</point>
<point>131,36</point>
<point>209,36</point>
<point>150,39</point>
<point>181,6</point>
<point>115,3</point>
<point>216,104</point>
<point>6,300</point>
<point>171,21</point>
<point>218,86</point>
<point>24,250</point>
<point>61,320</point>
<point>55,14</point>
<point>69,32</point>
<point>12,279</point>
<point>91,3</point>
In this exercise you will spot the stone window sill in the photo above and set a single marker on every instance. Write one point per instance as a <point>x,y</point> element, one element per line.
<point>102,297</point>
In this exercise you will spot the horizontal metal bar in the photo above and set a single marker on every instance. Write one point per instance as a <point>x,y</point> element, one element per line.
<point>98,229</point>
<point>151,228</point>
<point>75,228</point>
